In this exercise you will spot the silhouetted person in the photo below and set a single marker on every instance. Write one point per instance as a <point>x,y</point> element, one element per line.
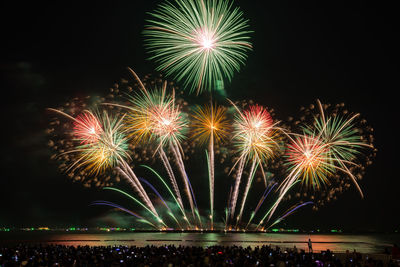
<point>310,246</point>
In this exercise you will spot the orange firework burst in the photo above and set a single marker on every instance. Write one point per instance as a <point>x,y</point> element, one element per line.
<point>210,122</point>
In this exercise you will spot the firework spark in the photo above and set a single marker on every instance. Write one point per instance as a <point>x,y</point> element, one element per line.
<point>200,42</point>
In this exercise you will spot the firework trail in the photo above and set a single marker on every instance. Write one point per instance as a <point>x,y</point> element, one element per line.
<point>136,201</point>
<point>209,123</point>
<point>172,194</point>
<point>235,192</point>
<point>188,186</point>
<point>127,172</point>
<point>198,42</point>
<point>291,210</point>
<point>273,207</point>
<point>171,174</point>
<point>262,199</point>
<point>170,213</point>
<point>246,191</point>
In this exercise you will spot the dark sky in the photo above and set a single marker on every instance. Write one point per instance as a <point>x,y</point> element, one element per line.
<point>332,51</point>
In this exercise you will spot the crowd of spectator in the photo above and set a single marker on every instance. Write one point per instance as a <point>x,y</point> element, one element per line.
<point>169,255</point>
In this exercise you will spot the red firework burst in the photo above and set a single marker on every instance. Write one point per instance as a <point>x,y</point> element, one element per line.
<point>87,128</point>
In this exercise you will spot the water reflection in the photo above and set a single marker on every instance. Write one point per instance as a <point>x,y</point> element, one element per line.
<point>334,242</point>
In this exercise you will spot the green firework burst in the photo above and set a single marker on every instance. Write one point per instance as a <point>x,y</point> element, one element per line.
<point>201,43</point>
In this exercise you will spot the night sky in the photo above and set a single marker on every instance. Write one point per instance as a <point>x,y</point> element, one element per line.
<point>303,51</point>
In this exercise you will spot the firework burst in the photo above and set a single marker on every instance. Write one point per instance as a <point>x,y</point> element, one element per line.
<point>327,151</point>
<point>87,128</point>
<point>209,123</point>
<point>200,42</point>
<point>255,134</point>
<point>311,158</point>
<point>81,128</point>
<point>109,148</point>
<point>100,141</point>
<point>342,139</point>
<point>155,115</point>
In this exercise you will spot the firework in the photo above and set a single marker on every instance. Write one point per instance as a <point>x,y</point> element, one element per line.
<point>110,147</point>
<point>179,204</point>
<point>155,115</point>
<point>328,147</point>
<point>290,211</point>
<point>137,202</point>
<point>310,158</point>
<point>342,139</point>
<point>274,205</point>
<point>100,146</point>
<point>256,141</point>
<point>81,127</point>
<point>210,124</point>
<point>198,42</point>
<point>87,128</point>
